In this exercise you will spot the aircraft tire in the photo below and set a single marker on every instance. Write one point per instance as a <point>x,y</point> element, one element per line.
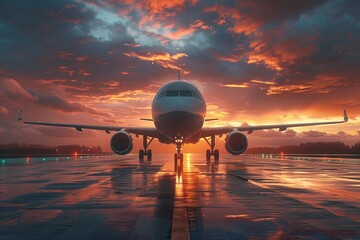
<point>149,155</point>
<point>216,154</point>
<point>141,154</point>
<point>208,154</point>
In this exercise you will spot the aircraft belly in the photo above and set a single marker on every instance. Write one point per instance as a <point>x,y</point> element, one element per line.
<point>178,123</point>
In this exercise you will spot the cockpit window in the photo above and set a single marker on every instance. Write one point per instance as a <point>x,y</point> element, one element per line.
<point>162,94</point>
<point>185,93</point>
<point>172,93</point>
<point>181,93</point>
<point>196,94</point>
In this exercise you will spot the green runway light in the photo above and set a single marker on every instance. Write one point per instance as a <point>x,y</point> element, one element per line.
<point>44,159</point>
<point>3,161</point>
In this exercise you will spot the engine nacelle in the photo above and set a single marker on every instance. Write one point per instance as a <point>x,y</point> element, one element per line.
<point>236,142</point>
<point>121,143</point>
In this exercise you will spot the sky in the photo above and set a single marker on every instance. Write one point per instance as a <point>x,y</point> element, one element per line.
<point>255,62</point>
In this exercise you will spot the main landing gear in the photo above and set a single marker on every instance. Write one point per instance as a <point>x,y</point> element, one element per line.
<point>211,152</point>
<point>179,141</point>
<point>146,152</point>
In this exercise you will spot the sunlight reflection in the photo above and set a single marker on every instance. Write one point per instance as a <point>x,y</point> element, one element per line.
<point>237,216</point>
<point>188,158</point>
<point>178,179</point>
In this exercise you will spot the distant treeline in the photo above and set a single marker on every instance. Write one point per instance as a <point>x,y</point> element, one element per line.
<point>309,148</point>
<point>21,149</point>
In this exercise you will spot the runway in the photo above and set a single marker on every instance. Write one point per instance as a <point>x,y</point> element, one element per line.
<point>116,197</point>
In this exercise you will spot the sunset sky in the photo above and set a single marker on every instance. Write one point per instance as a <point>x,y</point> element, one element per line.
<point>255,62</point>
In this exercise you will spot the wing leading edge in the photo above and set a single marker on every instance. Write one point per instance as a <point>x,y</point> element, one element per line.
<point>151,132</point>
<point>206,132</point>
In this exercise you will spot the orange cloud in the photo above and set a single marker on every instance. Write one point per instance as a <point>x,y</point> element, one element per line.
<point>164,59</point>
<point>12,88</point>
<point>159,6</point>
<point>126,96</point>
<point>278,55</point>
<point>4,110</point>
<point>262,82</point>
<point>240,24</point>
<point>269,61</point>
<point>186,31</point>
<point>322,84</point>
<point>244,85</point>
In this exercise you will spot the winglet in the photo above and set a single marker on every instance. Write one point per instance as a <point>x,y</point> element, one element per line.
<point>146,119</point>
<point>20,118</point>
<point>211,119</point>
<point>345,116</point>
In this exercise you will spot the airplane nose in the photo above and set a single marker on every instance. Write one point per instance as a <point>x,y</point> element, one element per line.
<point>179,123</point>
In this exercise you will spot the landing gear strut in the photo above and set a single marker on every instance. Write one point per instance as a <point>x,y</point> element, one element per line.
<point>179,141</point>
<point>145,151</point>
<point>211,152</point>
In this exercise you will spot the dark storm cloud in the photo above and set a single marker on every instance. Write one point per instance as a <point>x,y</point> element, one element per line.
<point>64,40</point>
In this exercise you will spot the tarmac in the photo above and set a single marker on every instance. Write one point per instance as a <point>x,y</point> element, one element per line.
<point>239,197</point>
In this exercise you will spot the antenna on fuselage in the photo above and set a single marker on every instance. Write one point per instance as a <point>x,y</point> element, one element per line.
<point>179,74</point>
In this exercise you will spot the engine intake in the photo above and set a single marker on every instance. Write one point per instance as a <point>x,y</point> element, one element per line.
<point>121,143</point>
<point>236,142</point>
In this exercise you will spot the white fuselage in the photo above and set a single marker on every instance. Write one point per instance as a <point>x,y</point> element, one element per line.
<point>178,110</point>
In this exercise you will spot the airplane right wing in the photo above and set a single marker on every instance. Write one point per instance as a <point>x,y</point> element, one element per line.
<point>206,132</point>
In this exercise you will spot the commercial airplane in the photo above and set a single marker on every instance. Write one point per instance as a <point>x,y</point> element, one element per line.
<point>178,113</point>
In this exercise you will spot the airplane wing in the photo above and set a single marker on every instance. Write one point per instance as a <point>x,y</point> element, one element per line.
<point>150,132</point>
<point>206,132</point>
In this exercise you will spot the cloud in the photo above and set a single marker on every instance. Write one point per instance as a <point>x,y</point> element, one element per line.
<point>164,59</point>
<point>183,32</point>
<point>322,84</point>
<point>171,7</point>
<point>273,133</point>
<point>236,85</point>
<point>313,134</point>
<point>13,90</point>
<point>254,60</point>
<point>4,110</point>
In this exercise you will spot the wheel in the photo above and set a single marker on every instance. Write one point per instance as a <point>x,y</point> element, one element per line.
<point>149,155</point>
<point>141,154</point>
<point>216,154</point>
<point>208,154</point>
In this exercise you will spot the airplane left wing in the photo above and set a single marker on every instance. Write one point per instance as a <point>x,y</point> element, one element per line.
<point>150,132</point>
<point>207,132</point>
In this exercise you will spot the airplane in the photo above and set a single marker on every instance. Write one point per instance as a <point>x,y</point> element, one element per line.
<point>178,114</point>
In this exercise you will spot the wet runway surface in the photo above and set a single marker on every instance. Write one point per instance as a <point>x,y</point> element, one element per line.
<point>116,197</point>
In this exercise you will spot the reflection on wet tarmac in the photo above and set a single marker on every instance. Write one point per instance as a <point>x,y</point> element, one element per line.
<point>114,197</point>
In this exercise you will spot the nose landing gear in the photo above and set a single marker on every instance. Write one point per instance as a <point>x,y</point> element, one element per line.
<point>179,141</point>
<point>146,152</point>
<point>212,152</point>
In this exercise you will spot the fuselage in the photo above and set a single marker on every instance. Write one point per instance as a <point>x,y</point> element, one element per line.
<point>178,111</point>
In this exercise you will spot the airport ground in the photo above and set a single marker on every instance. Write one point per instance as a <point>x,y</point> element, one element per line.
<point>118,197</point>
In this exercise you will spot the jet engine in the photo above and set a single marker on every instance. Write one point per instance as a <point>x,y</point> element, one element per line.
<point>236,142</point>
<point>121,143</point>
